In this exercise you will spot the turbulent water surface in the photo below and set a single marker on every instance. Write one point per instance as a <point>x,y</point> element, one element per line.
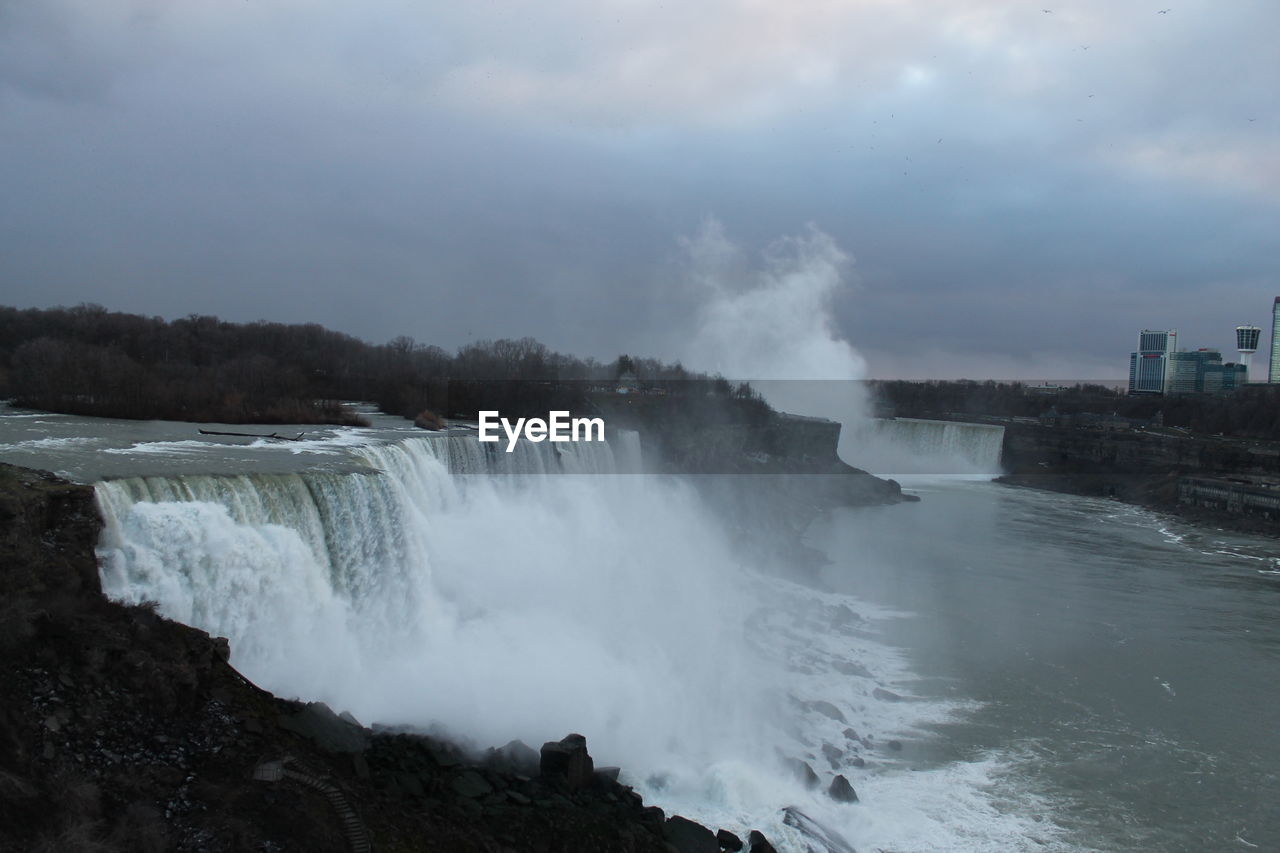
<point>1126,664</point>
<point>1053,673</point>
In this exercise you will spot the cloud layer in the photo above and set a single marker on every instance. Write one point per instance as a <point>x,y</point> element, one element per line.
<point>1022,189</point>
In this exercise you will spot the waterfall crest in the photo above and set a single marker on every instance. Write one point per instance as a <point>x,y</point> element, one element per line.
<point>898,446</point>
<point>426,588</point>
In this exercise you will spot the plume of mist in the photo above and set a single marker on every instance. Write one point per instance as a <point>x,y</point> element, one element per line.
<point>772,323</point>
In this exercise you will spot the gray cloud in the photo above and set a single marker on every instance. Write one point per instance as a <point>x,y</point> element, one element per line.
<point>1019,190</point>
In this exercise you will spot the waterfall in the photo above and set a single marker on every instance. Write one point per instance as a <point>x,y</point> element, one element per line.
<point>898,446</point>
<point>438,582</point>
<point>425,588</point>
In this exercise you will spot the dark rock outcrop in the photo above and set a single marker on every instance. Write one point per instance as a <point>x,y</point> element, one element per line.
<point>728,841</point>
<point>689,837</point>
<point>516,757</point>
<point>803,772</point>
<point>759,844</point>
<point>566,762</point>
<point>329,731</point>
<point>841,791</point>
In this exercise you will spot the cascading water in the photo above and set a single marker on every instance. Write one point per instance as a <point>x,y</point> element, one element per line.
<point>912,446</point>
<point>442,584</point>
<point>492,606</point>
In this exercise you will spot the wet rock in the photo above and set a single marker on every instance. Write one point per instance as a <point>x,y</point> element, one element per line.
<point>759,844</point>
<point>471,784</point>
<point>690,837</point>
<point>832,755</point>
<point>516,756</point>
<point>817,836</point>
<point>359,766</point>
<point>410,784</point>
<point>470,809</point>
<point>607,775</point>
<point>841,791</point>
<point>222,649</point>
<point>886,695</point>
<point>803,772</point>
<point>318,722</point>
<point>443,754</point>
<point>895,745</point>
<point>858,761</point>
<point>852,669</point>
<point>728,841</point>
<point>654,816</point>
<point>826,709</point>
<point>567,762</point>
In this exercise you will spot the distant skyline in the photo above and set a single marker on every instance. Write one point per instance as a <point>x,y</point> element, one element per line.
<point>998,191</point>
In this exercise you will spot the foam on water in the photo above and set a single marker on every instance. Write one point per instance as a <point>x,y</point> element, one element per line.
<point>50,443</point>
<point>139,448</point>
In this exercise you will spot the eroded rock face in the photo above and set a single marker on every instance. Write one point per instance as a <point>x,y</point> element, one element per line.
<point>45,525</point>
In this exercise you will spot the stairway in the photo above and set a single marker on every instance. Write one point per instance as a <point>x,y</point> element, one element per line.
<point>290,768</point>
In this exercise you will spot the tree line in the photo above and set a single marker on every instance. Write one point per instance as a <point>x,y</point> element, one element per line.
<point>91,361</point>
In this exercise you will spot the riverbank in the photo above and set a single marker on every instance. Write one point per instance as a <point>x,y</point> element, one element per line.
<point>1147,468</point>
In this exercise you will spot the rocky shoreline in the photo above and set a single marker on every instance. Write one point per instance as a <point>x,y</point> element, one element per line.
<point>122,730</point>
<point>1143,469</point>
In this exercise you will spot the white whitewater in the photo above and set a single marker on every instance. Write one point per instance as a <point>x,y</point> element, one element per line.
<point>447,585</point>
<point>915,446</point>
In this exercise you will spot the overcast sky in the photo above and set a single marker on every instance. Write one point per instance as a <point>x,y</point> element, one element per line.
<point>1012,189</point>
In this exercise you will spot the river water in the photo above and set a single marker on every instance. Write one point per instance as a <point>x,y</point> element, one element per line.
<point>1127,665</point>
<point>1062,674</point>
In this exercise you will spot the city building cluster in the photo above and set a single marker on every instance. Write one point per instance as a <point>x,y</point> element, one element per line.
<point>1160,367</point>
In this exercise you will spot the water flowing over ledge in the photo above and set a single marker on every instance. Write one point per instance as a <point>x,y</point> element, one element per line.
<point>446,586</point>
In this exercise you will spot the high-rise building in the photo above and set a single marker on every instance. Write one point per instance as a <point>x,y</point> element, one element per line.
<point>1247,344</point>
<point>1202,371</point>
<point>1187,371</point>
<point>1273,375</point>
<point>1150,368</point>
